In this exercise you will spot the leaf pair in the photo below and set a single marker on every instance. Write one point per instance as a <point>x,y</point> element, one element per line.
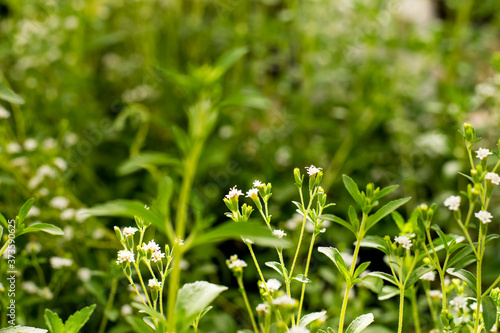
<point>74,323</point>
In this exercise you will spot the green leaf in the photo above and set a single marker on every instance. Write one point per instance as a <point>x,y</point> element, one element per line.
<point>255,231</point>
<point>441,235</point>
<point>192,298</point>
<point>361,268</point>
<point>337,259</point>
<point>353,218</point>
<point>53,322</point>
<point>336,219</point>
<point>465,276</point>
<point>374,242</point>
<point>8,95</point>
<point>417,274</point>
<point>400,222</point>
<point>385,276</point>
<point>228,59</point>
<point>139,325</point>
<point>128,208</point>
<point>309,318</point>
<point>353,190</point>
<point>23,212</point>
<point>248,98</point>
<point>360,323</point>
<point>165,191</point>
<point>277,267</point>
<point>386,191</point>
<point>24,329</point>
<point>45,227</point>
<point>4,221</point>
<point>384,211</point>
<point>373,283</point>
<point>489,312</point>
<point>388,292</point>
<point>467,176</point>
<point>78,319</point>
<point>146,309</point>
<point>145,160</point>
<point>301,278</point>
<point>328,330</point>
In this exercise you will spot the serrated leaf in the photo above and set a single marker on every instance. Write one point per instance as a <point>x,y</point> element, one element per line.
<point>360,323</point>
<point>465,276</point>
<point>309,318</point>
<point>23,212</point>
<point>53,322</point>
<point>384,211</point>
<point>353,190</point>
<point>77,320</point>
<point>400,222</point>
<point>145,160</point>
<point>45,227</point>
<point>8,95</point>
<point>489,312</point>
<point>337,259</point>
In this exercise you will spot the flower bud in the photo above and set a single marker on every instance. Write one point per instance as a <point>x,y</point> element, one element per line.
<point>469,133</point>
<point>298,178</point>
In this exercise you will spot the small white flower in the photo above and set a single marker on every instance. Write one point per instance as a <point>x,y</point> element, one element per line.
<point>258,183</point>
<point>234,192</point>
<point>84,274</point>
<point>125,256</point>
<point>279,233</point>
<point>59,202</point>
<point>153,283</point>
<point>68,232</point>
<point>312,170</point>
<point>81,215</point>
<point>126,310</point>
<point>4,114</point>
<point>459,302</point>
<point>157,256</point>
<point>34,211</point>
<point>493,178</point>
<point>43,192</point>
<point>184,265</point>
<point>284,301</point>
<point>30,144</point>
<point>129,231</point>
<point>46,293</point>
<point>484,216</point>
<point>179,241</point>
<point>238,263</point>
<point>453,202</point>
<point>151,246</point>
<point>298,329</point>
<point>61,163</point>
<point>49,143</point>
<point>58,262</point>
<point>404,241</point>
<point>253,193</point>
<point>431,276</point>
<point>13,148</point>
<point>473,307</point>
<point>67,214</point>
<point>30,287</point>
<point>436,294</point>
<point>33,247</point>
<point>273,285</point>
<point>262,309</point>
<point>46,171</point>
<point>19,162</point>
<point>483,153</point>
<point>70,139</point>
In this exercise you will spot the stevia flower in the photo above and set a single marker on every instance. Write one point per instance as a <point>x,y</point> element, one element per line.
<point>484,216</point>
<point>58,262</point>
<point>84,274</point>
<point>13,147</point>
<point>285,301</point>
<point>179,241</point>
<point>298,329</point>
<point>67,214</point>
<point>279,233</point>
<point>234,262</point>
<point>483,153</point>
<point>436,294</point>
<point>459,302</point>
<point>262,309</point>
<point>151,247</point>
<point>273,285</point>
<point>253,194</point>
<point>258,184</point>
<point>30,144</point>
<point>430,276</point>
<point>234,193</point>
<point>4,114</point>
<point>312,170</point>
<point>453,202</point>
<point>473,307</point>
<point>125,256</point>
<point>157,256</point>
<point>493,178</point>
<point>60,163</point>
<point>59,202</point>
<point>129,231</point>
<point>404,241</point>
<point>154,284</point>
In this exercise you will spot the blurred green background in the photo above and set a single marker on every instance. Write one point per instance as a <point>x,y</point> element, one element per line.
<point>373,89</point>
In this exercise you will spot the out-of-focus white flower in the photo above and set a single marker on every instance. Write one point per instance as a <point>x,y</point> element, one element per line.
<point>493,178</point>
<point>30,144</point>
<point>312,170</point>
<point>485,89</point>
<point>430,276</point>
<point>404,241</point>
<point>126,310</point>
<point>98,233</point>
<point>459,302</point>
<point>46,293</point>
<point>59,202</point>
<point>253,193</point>
<point>70,139</point>
<point>453,202</point>
<point>71,22</point>
<point>81,215</point>
<point>129,231</point>
<point>151,246</point>
<point>30,287</point>
<point>49,143</point>
<point>436,294</point>
<point>179,241</point>
<point>33,247</point>
<point>125,256</point>
<point>61,163</point>
<point>284,301</point>
<point>184,265</point>
<point>157,256</point>
<point>22,161</point>
<point>34,211</point>
<point>483,216</point>
<point>84,274</point>
<point>473,307</point>
<point>43,192</point>
<point>13,148</point>
<point>262,309</point>
<point>273,285</point>
<point>298,329</point>
<point>294,221</point>
<point>347,258</point>
<point>67,214</point>
<point>483,153</point>
<point>58,262</point>
<point>46,171</point>
<point>279,233</point>
<point>4,114</point>
<point>68,232</point>
<point>234,192</point>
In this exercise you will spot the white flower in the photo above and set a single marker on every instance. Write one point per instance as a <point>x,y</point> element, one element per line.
<point>67,214</point>
<point>34,211</point>
<point>13,148</point>
<point>151,246</point>
<point>70,139</point>
<point>453,202</point>
<point>312,170</point>
<point>84,274</point>
<point>284,301</point>
<point>125,256</point>
<point>234,192</point>
<point>493,178</point>
<point>49,143</point>
<point>435,293</point>
<point>484,216</point>
<point>258,183</point>
<point>129,231</point>
<point>237,263</point>
<point>30,144</point>
<point>46,171</point>
<point>43,192</point>
<point>68,232</point>
<point>459,302</point>
<point>46,293</point>
<point>273,285</point>
<point>293,222</point>
<point>126,310</point>
<point>253,193</point>
<point>184,265</point>
<point>22,161</point>
<point>59,202</point>
<point>30,287</point>
<point>61,163</point>
<point>473,307</point>
<point>279,233</point>
<point>179,241</point>
<point>262,309</point>
<point>298,329</point>
<point>4,114</point>
<point>33,247</point>
<point>157,256</point>
<point>154,284</point>
<point>483,153</point>
<point>58,262</point>
<point>431,276</point>
<point>405,241</point>
<point>81,215</point>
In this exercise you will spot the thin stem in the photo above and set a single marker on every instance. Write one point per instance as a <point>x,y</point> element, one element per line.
<point>247,304</point>
<point>479,277</point>
<point>305,275</point>
<point>401,308</point>
<point>491,287</point>
<point>414,307</point>
<point>109,304</point>
<point>431,308</point>
<point>258,267</point>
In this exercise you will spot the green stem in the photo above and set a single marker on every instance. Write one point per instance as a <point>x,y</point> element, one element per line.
<point>109,304</point>
<point>305,275</point>
<point>414,308</point>
<point>247,304</point>
<point>431,308</point>
<point>401,308</point>
<point>481,240</point>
